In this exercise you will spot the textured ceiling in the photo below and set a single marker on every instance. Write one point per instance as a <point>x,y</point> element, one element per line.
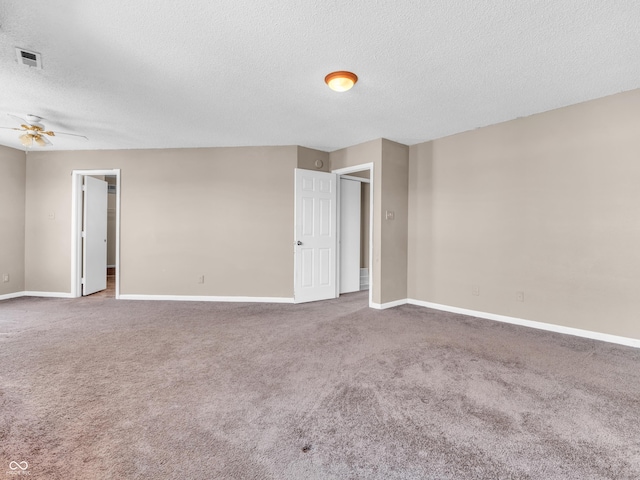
<point>200,73</point>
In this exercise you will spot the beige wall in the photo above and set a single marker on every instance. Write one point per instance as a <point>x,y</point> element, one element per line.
<point>307,158</point>
<point>390,192</point>
<point>395,194</point>
<point>369,152</point>
<point>225,213</point>
<point>419,239</point>
<point>12,205</point>
<point>547,205</point>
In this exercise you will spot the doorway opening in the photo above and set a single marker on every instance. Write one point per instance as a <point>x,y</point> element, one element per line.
<point>355,233</point>
<point>95,232</point>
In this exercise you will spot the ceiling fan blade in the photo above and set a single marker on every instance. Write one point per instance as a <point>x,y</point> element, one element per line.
<point>11,128</point>
<point>64,133</point>
<point>42,141</point>
<point>19,119</point>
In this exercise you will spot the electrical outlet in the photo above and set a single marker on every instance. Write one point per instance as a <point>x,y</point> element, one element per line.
<point>475,290</point>
<point>5,277</point>
<point>520,296</point>
<point>201,279</point>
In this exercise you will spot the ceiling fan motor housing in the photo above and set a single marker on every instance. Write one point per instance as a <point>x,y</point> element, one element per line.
<point>34,121</point>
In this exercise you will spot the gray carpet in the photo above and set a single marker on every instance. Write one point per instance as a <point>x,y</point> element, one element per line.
<point>98,388</point>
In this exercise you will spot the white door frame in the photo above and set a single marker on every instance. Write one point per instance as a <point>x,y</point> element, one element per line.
<point>344,172</point>
<point>76,227</point>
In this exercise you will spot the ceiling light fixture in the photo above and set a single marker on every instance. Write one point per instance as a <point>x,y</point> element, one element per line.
<point>341,81</point>
<point>28,139</point>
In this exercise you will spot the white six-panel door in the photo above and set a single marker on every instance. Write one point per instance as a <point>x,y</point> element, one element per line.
<point>315,235</point>
<point>94,244</point>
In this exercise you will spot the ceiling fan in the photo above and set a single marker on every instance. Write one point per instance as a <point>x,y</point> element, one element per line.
<point>35,132</point>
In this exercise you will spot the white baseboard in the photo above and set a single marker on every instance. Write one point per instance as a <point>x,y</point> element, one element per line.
<point>203,298</point>
<point>604,337</point>
<point>7,296</point>
<point>382,306</point>
<point>48,294</point>
<point>36,294</point>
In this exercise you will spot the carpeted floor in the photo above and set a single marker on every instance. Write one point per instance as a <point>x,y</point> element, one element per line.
<point>97,388</point>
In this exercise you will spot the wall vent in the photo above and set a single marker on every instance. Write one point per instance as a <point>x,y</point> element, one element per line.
<point>29,58</point>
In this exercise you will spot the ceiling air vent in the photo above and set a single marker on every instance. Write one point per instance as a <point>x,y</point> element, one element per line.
<point>28,58</point>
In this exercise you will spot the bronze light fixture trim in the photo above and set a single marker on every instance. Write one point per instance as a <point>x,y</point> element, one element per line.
<point>341,81</point>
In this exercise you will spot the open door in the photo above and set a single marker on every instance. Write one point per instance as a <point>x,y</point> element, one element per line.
<point>315,276</point>
<point>94,236</point>
<point>350,226</point>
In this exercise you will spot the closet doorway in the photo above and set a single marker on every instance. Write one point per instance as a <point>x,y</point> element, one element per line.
<point>355,229</point>
<point>95,232</point>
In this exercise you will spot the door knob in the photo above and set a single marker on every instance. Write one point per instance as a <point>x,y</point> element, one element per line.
<point>298,242</point>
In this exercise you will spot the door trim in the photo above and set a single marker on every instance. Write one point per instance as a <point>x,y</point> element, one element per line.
<point>357,179</point>
<point>76,228</point>
<point>359,168</point>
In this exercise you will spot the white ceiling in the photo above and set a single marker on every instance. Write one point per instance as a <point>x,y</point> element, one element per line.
<point>200,73</point>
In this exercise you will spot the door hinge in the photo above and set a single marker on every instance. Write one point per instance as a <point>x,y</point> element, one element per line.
<point>84,234</point>
<point>82,281</point>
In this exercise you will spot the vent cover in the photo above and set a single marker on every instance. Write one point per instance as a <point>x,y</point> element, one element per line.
<point>29,58</point>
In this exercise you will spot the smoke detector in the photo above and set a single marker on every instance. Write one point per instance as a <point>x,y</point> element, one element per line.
<point>29,58</point>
